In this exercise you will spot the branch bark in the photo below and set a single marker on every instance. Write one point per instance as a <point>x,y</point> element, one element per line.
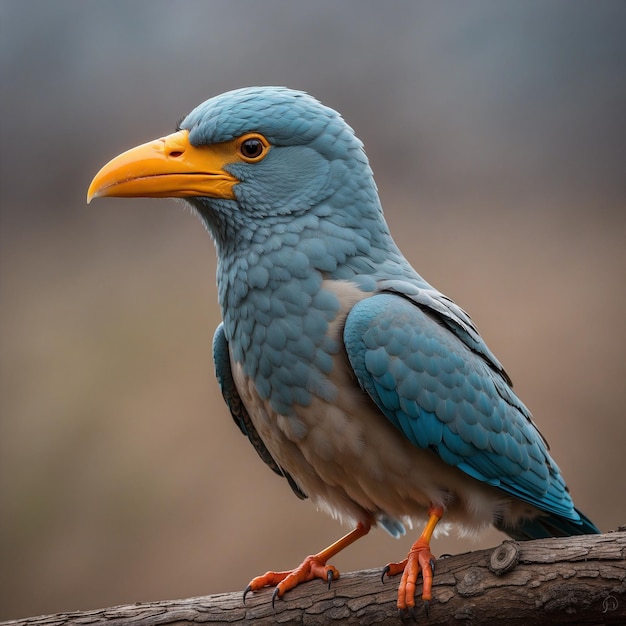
<point>578,580</point>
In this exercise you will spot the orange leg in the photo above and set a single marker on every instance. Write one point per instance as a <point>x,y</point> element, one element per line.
<point>314,566</point>
<point>420,559</point>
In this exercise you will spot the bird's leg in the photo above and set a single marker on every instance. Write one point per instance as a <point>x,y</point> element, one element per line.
<point>420,559</point>
<point>313,566</point>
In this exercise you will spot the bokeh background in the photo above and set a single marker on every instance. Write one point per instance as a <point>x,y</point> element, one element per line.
<point>496,132</point>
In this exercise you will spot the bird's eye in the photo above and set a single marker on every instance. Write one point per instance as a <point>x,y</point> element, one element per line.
<point>253,148</point>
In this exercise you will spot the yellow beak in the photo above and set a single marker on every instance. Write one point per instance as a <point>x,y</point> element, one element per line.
<point>169,167</point>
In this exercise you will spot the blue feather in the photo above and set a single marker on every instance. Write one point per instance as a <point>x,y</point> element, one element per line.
<point>387,339</point>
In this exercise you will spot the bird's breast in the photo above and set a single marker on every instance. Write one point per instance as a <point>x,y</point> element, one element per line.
<point>285,335</point>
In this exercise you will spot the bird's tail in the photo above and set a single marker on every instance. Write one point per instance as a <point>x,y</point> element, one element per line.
<point>551,526</point>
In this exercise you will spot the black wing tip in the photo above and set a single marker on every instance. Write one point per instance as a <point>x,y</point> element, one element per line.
<point>551,526</point>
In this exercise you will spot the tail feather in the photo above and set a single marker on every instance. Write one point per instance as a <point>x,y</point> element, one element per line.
<point>551,526</point>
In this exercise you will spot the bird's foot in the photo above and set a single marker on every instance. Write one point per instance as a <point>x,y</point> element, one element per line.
<point>314,566</point>
<point>419,560</point>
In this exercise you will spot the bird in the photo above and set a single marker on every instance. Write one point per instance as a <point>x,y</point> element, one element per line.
<point>371,392</point>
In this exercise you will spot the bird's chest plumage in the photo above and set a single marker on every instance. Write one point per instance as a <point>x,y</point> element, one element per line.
<point>282,335</point>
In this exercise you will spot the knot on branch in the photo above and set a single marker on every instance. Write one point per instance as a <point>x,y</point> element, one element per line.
<point>504,558</point>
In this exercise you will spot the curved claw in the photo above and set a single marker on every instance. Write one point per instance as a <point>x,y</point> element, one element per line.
<point>275,595</point>
<point>410,613</point>
<point>386,570</point>
<point>246,591</point>
<point>330,575</point>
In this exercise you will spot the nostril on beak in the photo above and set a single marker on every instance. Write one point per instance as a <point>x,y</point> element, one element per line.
<point>175,153</point>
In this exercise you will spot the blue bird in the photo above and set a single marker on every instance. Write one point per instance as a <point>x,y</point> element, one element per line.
<point>368,390</point>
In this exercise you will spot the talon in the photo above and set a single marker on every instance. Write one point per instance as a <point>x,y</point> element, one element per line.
<point>386,570</point>
<point>427,608</point>
<point>247,590</point>
<point>275,595</point>
<point>413,613</point>
<point>432,565</point>
<point>329,577</point>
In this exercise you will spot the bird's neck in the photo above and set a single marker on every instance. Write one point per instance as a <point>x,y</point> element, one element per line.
<point>289,256</point>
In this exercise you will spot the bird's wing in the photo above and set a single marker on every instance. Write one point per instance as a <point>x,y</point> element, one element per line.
<point>221,357</point>
<point>451,315</point>
<point>440,388</point>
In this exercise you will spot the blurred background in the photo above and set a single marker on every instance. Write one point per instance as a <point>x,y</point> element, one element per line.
<point>496,132</point>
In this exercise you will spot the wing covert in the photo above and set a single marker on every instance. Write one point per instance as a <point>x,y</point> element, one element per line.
<point>444,396</point>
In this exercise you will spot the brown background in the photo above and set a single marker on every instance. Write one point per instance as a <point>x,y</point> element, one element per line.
<point>496,133</point>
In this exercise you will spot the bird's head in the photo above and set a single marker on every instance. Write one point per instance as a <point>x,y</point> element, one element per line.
<point>252,156</point>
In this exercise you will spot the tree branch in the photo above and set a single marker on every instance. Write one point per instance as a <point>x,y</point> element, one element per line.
<point>548,581</point>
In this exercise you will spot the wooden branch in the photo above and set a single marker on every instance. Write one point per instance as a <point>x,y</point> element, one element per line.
<point>578,580</point>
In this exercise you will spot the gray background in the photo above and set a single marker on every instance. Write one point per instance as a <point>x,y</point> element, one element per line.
<point>496,132</point>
